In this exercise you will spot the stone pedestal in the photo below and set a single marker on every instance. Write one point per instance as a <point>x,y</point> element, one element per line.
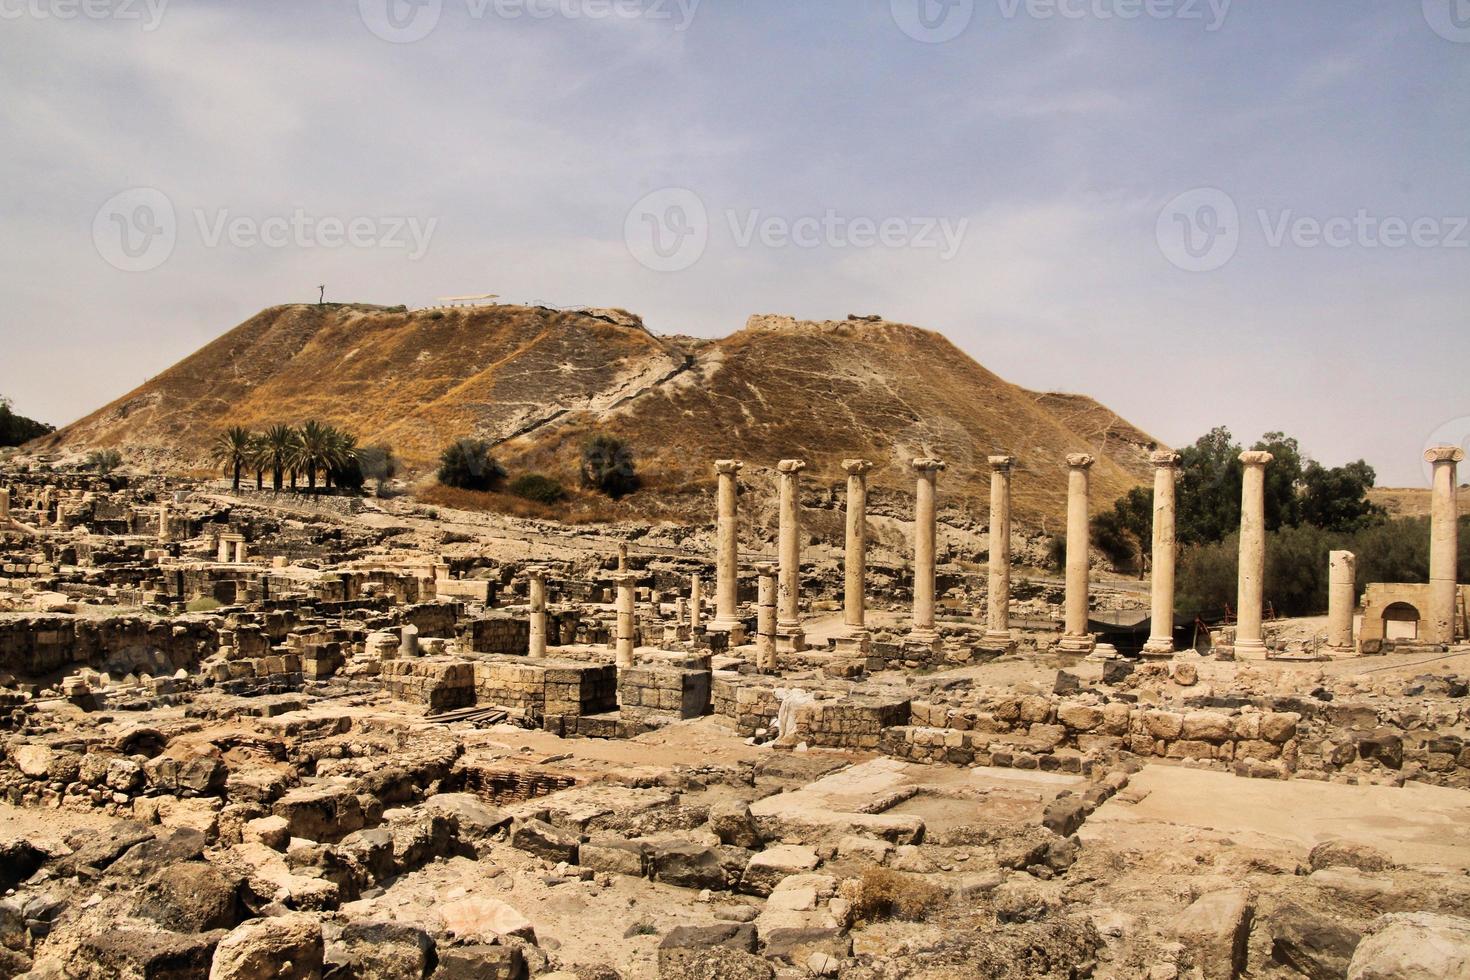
<point>997,637</point>
<point>623,635</point>
<point>923,632</point>
<point>788,589</point>
<point>765,629</point>
<point>408,643</point>
<point>1443,545</point>
<point>1161,634</point>
<point>1342,568</point>
<point>1075,636</point>
<point>855,637</point>
<point>727,562</point>
<point>1250,641</point>
<point>536,586</point>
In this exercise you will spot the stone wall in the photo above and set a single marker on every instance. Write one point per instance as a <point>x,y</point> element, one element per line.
<point>439,683</point>
<point>500,633</point>
<point>665,693</point>
<point>35,646</point>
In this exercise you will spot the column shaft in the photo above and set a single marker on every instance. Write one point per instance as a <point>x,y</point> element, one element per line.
<point>624,634</point>
<point>1161,634</point>
<point>924,547</point>
<point>1249,637</point>
<point>765,630</point>
<point>1076,637</point>
<point>855,553</point>
<point>1342,570</point>
<point>788,592</point>
<point>537,590</point>
<point>1443,544</point>
<point>998,599</point>
<point>727,567</point>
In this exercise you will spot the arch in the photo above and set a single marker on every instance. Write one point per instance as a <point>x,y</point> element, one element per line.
<point>1401,621</point>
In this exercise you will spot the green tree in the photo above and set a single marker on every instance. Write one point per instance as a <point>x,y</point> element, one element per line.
<point>607,466</point>
<point>1125,533</point>
<point>104,461</point>
<point>278,451</point>
<point>318,448</point>
<point>468,465</point>
<point>1208,494</point>
<point>1337,498</point>
<point>534,486</point>
<point>1283,480</point>
<point>233,450</point>
<point>378,464</point>
<point>17,429</point>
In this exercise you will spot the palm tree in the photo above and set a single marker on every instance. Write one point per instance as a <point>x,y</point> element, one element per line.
<point>313,450</point>
<point>232,451</point>
<point>342,452</point>
<point>278,449</point>
<point>259,460</point>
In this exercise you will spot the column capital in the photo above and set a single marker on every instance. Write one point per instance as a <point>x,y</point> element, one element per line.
<point>1255,457</point>
<point>857,467</point>
<point>765,568</point>
<point>1164,459</point>
<point>626,578</point>
<point>1002,463</point>
<point>1081,461</point>
<point>791,465</point>
<point>536,573</point>
<point>728,467</point>
<point>1444,454</point>
<point>924,465</point>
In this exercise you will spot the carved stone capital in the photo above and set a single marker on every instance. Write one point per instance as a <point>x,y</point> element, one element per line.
<point>1165,459</point>
<point>928,465</point>
<point>857,467</point>
<point>791,465</point>
<point>728,467</point>
<point>1002,463</point>
<point>1444,454</point>
<point>1255,457</point>
<point>765,568</point>
<point>1081,461</point>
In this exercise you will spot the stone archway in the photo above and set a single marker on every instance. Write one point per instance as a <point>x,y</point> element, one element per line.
<point>1401,622</point>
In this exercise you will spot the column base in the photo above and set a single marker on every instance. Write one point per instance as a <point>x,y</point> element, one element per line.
<point>854,641</point>
<point>1250,649</point>
<point>790,639</point>
<point>926,638</point>
<point>734,627</point>
<point>1159,646</point>
<point>1104,652</point>
<point>1074,643</point>
<point>996,644</point>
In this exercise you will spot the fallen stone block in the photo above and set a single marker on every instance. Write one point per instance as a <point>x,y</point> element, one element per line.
<point>287,947</point>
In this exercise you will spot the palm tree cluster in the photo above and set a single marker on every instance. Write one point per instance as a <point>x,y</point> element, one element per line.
<point>312,449</point>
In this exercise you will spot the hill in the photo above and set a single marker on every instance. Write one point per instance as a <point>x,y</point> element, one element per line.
<point>536,381</point>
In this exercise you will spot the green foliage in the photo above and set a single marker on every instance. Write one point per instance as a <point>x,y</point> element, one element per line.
<point>1125,533</point>
<point>233,450</point>
<point>104,461</point>
<point>468,465</point>
<point>17,429</point>
<point>277,448</point>
<point>607,467</point>
<point>1208,492</point>
<point>542,489</point>
<point>1056,552</point>
<point>378,464</point>
<point>1336,498</point>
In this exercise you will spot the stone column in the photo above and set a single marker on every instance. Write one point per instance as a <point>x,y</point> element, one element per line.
<point>624,634</point>
<point>765,629</point>
<point>537,589</point>
<point>4,503</point>
<point>163,534</point>
<point>998,599</point>
<point>1075,636</point>
<point>1249,638</point>
<point>623,557</point>
<point>696,603</point>
<point>788,589</point>
<point>727,562</point>
<point>1443,544</point>
<point>924,534</point>
<point>855,554</point>
<point>1342,569</point>
<point>408,643</point>
<point>1161,635</point>
<point>223,556</point>
<point>240,550</point>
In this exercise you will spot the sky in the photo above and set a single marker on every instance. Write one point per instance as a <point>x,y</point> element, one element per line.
<point>1199,212</point>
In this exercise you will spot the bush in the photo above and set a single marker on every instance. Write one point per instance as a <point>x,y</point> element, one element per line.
<point>468,465</point>
<point>17,429</point>
<point>542,489</point>
<point>884,894</point>
<point>104,461</point>
<point>607,467</point>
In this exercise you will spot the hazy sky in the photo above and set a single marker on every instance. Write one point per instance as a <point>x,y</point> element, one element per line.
<point>1198,212</point>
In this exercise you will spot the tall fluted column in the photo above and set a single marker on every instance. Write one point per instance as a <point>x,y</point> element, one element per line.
<point>1249,638</point>
<point>924,538</point>
<point>727,563</point>
<point>788,589</point>
<point>1075,636</point>
<point>624,636</point>
<point>1342,569</point>
<point>1161,635</point>
<point>998,599</point>
<point>537,589</point>
<point>696,603</point>
<point>765,622</point>
<point>1443,544</point>
<point>855,553</point>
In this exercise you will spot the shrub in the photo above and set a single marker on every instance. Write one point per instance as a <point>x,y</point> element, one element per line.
<point>542,489</point>
<point>884,894</point>
<point>1056,551</point>
<point>468,465</point>
<point>104,461</point>
<point>607,467</point>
